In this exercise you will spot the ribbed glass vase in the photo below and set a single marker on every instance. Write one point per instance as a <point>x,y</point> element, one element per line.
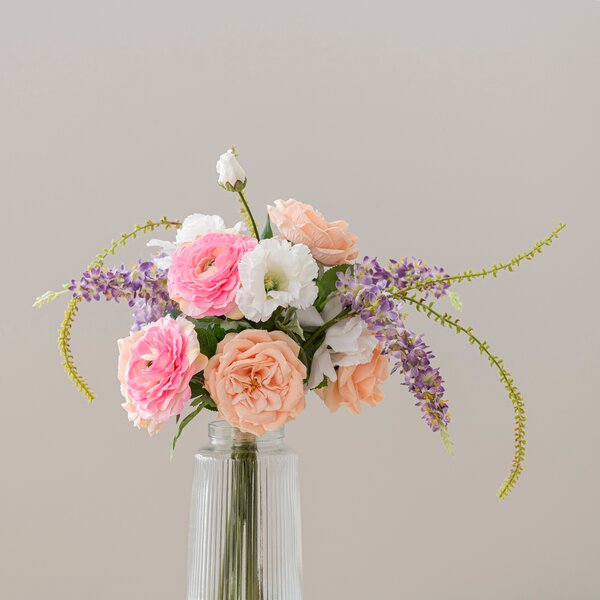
<point>245,541</point>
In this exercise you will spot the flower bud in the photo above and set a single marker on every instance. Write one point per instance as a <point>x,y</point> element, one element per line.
<point>231,175</point>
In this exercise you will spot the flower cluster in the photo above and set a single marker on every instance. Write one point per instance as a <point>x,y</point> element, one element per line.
<point>242,323</point>
<point>375,294</point>
<point>144,288</point>
<point>412,273</point>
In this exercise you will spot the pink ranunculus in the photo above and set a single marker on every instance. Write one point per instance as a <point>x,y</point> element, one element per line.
<point>155,368</point>
<point>356,384</point>
<point>203,278</point>
<point>330,242</point>
<point>256,380</point>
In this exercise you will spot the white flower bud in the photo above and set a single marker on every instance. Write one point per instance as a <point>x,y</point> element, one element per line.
<point>231,175</point>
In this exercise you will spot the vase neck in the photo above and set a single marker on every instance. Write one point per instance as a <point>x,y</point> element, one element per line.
<point>221,433</point>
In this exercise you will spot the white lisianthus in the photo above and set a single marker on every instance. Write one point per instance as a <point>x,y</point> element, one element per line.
<point>231,175</point>
<point>193,226</point>
<point>349,342</point>
<point>276,273</point>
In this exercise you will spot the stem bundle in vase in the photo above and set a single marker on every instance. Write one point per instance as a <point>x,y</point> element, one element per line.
<point>240,563</point>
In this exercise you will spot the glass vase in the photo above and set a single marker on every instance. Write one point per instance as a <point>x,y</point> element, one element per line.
<point>244,539</point>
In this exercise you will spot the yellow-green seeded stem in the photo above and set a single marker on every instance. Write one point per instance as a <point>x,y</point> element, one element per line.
<point>495,269</point>
<point>505,377</point>
<point>247,215</point>
<point>146,227</point>
<point>64,347</point>
<point>64,332</point>
<point>48,297</point>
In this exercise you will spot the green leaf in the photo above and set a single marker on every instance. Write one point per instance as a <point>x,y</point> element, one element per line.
<point>327,283</point>
<point>197,385</point>
<point>267,232</point>
<point>220,327</point>
<point>290,324</point>
<point>183,424</point>
<point>208,341</point>
<point>323,383</point>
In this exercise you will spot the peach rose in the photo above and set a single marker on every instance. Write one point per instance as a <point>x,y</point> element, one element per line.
<point>330,242</point>
<point>356,384</point>
<point>256,380</point>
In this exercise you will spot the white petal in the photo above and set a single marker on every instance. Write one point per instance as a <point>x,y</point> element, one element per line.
<point>292,270</point>
<point>229,169</point>
<point>198,224</point>
<point>309,317</point>
<point>321,366</point>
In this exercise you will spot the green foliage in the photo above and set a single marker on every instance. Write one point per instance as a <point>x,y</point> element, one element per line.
<point>510,266</point>
<point>267,232</point>
<point>447,440</point>
<point>454,300</point>
<point>147,227</point>
<point>64,347</point>
<point>48,297</point>
<point>211,330</point>
<point>199,403</point>
<point>323,383</point>
<point>208,341</point>
<point>289,323</point>
<point>327,284</point>
<point>505,377</point>
<point>64,332</point>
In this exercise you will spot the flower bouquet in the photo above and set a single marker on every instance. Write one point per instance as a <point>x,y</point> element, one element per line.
<point>245,323</point>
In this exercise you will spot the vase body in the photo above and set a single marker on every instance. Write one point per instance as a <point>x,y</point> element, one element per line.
<point>245,539</point>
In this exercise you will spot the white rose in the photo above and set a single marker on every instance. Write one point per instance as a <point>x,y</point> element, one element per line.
<point>231,175</point>
<point>276,273</point>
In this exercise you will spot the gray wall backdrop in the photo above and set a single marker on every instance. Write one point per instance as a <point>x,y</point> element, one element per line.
<point>460,132</point>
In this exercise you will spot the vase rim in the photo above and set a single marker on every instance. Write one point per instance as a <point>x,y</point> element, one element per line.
<point>222,431</point>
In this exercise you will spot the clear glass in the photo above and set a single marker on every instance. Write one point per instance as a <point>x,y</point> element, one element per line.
<point>245,540</point>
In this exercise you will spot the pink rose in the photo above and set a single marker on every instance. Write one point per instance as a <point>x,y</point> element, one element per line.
<point>203,278</point>
<point>330,242</point>
<point>256,380</point>
<point>155,368</point>
<point>356,384</point>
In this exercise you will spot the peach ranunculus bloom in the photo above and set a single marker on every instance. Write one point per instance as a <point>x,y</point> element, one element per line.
<point>155,369</point>
<point>256,380</point>
<point>330,242</point>
<point>356,384</point>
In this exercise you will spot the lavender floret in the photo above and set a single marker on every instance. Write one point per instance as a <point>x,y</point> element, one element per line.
<point>373,293</point>
<point>144,288</point>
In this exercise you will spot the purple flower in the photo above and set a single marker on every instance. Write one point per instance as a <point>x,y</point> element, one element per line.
<point>375,293</point>
<point>413,272</point>
<point>144,288</point>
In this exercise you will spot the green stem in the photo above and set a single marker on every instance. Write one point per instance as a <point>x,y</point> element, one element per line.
<point>240,561</point>
<point>495,269</point>
<point>249,213</point>
<point>514,394</point>
<point>326,326</point>
<point>64,332</point>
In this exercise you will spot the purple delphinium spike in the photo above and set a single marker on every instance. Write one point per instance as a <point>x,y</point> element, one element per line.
<point>372,292</point>
<point>144,288</point>
<point>409,272</point>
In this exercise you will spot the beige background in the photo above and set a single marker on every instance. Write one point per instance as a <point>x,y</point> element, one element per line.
<point>460,132</point>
